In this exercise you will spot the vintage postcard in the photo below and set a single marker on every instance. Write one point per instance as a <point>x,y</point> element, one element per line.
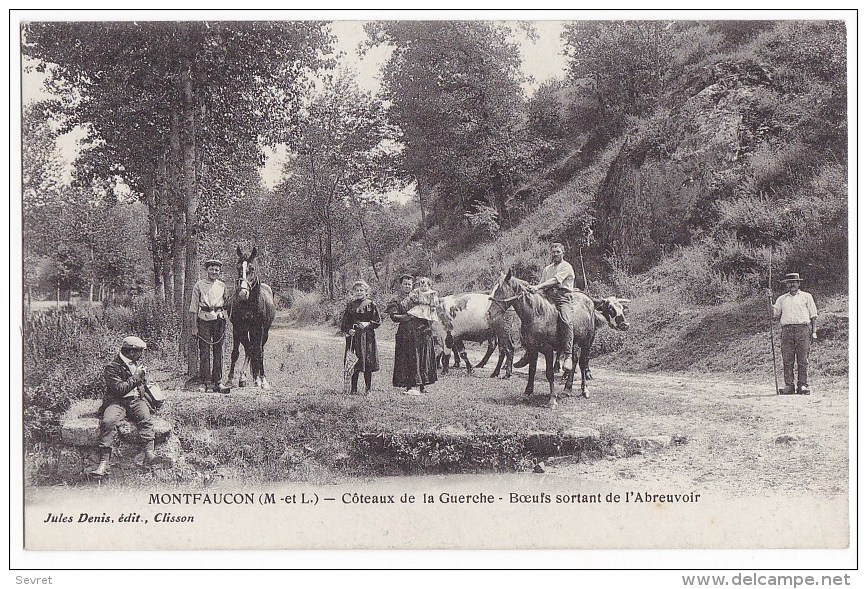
<point>435,281</point>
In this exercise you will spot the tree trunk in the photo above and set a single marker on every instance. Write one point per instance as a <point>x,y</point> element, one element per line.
<point>329,260</point>
<point>92,276</point>
<point>191,201</point>
<point>421,203</point>
<point>178,208</point>
<point>169,294</point>
<point>321,258</point>
<point>154,241</point>
<point>370,255</point>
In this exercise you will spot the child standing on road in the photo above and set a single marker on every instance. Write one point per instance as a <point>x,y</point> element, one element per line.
<point>359,321</point>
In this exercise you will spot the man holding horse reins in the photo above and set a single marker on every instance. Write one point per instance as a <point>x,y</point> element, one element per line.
<point>208,303</point>
<point>558,280</point>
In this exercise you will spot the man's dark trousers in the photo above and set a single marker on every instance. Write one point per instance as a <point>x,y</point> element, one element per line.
<point>210,340</point>
<point>795,344</point>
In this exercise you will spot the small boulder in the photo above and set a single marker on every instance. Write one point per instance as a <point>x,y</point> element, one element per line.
<point>787,438</point>
<point>618,450</point>
<point>651,442</point>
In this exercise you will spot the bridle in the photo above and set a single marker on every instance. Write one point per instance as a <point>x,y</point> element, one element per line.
<point>505,302</point>
<point>508,300</point>
<point>244,283</point>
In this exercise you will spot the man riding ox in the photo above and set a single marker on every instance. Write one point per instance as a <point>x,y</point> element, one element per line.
<point>558,280</point>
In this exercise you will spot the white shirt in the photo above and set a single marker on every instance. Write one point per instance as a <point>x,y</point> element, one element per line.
<point>132,366</point>
<point>563,272</point>
<point>797,309</point>
<point>210,295</point>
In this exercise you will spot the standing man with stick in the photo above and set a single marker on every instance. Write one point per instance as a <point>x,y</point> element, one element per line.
<point>797,313</point>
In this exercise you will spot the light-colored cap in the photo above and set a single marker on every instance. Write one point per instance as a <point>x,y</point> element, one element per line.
<point>134,342</point>
<point>212,262</point>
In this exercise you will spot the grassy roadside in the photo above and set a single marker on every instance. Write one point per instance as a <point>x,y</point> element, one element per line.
<point>732,338</point>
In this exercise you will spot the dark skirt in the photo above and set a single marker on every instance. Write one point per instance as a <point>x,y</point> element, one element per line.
<point>364,345</point>
<point>414,354</point>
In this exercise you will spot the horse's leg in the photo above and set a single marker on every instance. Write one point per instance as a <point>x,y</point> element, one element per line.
<point>245,341</point>
<point>570,375</point>
<point>236,343</point>
<point>265,385</point>
<point>584,366</point>
<point>510,358</point>
<point>492,343</point>
<point>531,371</point>
<point>549,374</point>
<point>256,355</point>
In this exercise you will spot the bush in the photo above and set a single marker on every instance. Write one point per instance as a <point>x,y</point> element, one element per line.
<point>306,307</point>
<point>66,349</point>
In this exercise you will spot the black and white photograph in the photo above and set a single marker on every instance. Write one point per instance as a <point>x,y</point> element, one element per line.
<point>434,281</point>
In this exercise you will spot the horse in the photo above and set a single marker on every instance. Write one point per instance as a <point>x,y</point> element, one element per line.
<point>251,311</point>
<point>539,329</point>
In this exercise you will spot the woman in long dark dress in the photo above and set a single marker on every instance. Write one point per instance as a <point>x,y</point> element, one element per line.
<point>359,321</point>
<point>414,354</point>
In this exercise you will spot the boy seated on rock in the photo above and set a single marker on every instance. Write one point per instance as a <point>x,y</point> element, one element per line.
<point>123,398</point>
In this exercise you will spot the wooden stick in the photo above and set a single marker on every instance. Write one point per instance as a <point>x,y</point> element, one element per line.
<point>770,301</point>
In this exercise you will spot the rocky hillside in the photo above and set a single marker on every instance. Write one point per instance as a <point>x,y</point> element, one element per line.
<point>742,160</point>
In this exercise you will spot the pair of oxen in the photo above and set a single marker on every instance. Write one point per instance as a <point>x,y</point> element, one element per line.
<point>485,317</point>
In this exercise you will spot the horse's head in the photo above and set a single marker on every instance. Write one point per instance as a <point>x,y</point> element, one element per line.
<point>507,289</point>
<point>248,278</point>
<point>612,308</point>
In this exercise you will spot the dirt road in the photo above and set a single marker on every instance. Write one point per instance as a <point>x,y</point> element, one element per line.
<point>730,433</point>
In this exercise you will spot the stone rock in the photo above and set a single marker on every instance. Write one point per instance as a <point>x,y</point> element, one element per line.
<point>558,460</point>
<point>539,468</point>
<point>787,438</point>
<point>80,425</point>
<point>84,431</point>
<point>651,442</point>
<point>679,439</point>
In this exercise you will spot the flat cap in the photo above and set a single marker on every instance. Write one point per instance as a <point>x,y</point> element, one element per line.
<point>133,342</point>
<point>212,262</point>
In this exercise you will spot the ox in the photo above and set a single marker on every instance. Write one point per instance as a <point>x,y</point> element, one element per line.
<point>539,328</point>
<point>472,317</point>
<point>610,312</point>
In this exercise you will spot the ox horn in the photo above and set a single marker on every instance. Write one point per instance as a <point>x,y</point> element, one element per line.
<point>624,301</point>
